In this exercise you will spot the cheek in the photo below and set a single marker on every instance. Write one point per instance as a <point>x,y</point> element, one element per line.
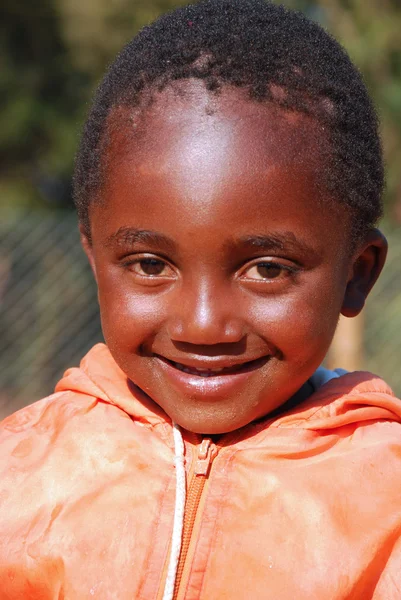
<point>128,318</point>
<point>299,324</point>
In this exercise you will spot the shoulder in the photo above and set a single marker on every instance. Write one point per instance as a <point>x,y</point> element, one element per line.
<point>55,433</point>
<point>58,449</point>
<point>42,418</point>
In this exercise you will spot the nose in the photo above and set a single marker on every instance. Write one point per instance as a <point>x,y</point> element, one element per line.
<point>205,315</point>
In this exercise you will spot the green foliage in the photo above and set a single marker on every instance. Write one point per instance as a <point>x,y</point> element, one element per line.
<point>53,53</point>
<point>43,100</point>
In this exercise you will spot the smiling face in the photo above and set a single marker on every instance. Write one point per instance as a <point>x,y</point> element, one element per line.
<point>221,269</point>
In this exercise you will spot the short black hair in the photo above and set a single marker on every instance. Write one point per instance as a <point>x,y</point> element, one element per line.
<point>261,46</point>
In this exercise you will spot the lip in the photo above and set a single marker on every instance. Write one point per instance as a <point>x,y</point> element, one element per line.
<point>216,385</point>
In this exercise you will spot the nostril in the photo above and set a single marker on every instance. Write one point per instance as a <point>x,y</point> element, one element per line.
<point>234,331</point>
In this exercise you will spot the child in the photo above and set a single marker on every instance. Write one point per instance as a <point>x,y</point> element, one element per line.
<point>227,185</point>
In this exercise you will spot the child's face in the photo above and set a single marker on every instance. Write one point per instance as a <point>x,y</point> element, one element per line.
<point>214,249</point>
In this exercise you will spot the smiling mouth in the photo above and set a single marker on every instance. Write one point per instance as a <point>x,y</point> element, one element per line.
<point>217,371</point>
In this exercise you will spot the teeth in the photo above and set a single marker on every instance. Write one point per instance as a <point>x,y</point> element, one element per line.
<point>199,372</point>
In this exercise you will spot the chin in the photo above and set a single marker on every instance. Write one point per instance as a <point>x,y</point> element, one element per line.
<point>211,424</point>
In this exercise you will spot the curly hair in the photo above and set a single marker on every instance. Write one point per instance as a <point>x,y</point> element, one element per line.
<point>263,47</point>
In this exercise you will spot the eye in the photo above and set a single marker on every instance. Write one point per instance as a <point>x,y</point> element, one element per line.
<point>268,270</point>
<point>264,271</point>
<point>150,267</point>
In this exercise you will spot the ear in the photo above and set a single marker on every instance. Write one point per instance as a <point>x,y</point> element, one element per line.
<point>88,248</point>
<point>365,268</point>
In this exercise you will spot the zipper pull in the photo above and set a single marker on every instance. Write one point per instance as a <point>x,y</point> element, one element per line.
<point>206,453</point>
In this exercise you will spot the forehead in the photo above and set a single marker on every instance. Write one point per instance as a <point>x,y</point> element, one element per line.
<point>192,123</point>
<point>191,158</point>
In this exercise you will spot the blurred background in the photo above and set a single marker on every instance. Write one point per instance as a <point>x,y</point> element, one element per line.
<point>52,55</point>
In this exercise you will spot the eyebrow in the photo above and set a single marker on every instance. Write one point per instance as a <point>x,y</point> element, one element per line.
<point>129,236</point>
<point>285,241</point>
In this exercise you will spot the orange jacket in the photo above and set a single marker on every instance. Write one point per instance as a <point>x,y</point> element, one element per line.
<point>302,506</point>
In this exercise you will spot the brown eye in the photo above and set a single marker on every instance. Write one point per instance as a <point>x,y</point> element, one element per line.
<point>269,270</point>
<point>279,270</point>
<point>265,271</point>
<point>149,270</point>
<point>151,266</point>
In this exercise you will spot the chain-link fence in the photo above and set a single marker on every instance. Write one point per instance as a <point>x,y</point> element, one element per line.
<point>49,312</point>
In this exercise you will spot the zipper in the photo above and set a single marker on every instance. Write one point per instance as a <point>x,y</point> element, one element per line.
<point>206,453</point>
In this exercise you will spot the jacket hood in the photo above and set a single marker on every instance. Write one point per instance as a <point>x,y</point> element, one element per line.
<point>100,377</point>
<point>351,398</point>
